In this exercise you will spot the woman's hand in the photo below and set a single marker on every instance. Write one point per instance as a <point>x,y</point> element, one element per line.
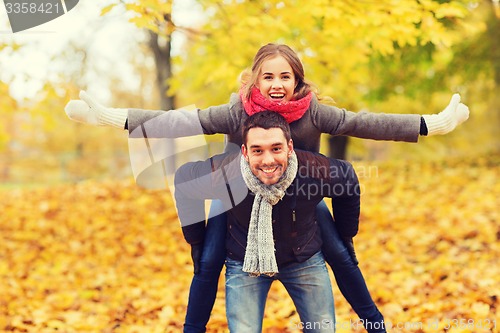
<point>446,121</point>
<point>86,110</point>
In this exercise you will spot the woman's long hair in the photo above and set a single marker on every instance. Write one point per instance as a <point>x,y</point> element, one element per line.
<point>248,78</point>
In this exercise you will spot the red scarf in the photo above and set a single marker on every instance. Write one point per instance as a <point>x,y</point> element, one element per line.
<point>291,110</point>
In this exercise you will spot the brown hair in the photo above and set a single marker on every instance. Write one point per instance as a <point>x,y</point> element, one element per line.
<point>266,120</point>
<point>249,78</point>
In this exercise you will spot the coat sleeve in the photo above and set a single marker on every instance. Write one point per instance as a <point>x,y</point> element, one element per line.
<point>152,138</point>
<point>216,178</point>
<point>224,119</point>
<point>366,125</point>
<point>190,203</point>
<point>345,194</point>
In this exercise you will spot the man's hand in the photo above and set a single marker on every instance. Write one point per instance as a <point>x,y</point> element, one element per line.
<point>88,111</point>
<point>448,119</point>
<point>196,251</point>
<point>349,244</point>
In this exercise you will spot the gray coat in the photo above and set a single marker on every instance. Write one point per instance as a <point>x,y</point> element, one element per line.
<point>306,132</point>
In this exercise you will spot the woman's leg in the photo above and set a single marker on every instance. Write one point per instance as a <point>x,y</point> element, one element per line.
<point>348,275</point>
<point>203,289</point>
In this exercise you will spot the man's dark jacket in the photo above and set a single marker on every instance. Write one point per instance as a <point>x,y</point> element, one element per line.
<point>296,233</point>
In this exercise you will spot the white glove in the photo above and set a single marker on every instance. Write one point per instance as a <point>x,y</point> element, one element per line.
<point>88,111</point>
<point>446,120</point>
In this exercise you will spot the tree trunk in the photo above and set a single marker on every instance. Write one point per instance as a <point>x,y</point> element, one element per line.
<point>161,48</point>
<point>493,31</point>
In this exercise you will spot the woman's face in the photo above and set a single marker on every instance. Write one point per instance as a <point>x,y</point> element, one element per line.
<point>276,80</point>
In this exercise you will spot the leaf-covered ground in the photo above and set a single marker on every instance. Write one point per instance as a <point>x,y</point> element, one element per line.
<point>109,257</point>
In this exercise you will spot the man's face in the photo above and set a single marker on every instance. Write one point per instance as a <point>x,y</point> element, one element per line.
<point>267,152</point>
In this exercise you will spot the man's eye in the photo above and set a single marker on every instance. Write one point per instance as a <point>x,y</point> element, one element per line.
<point>277,149</point>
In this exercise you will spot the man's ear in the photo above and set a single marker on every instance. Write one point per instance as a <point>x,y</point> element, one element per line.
<point>244,152</point>
<point>290,147</point>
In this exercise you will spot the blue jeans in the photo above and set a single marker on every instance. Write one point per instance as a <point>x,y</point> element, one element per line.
<point>204,284</point>
<point>307,283</point>
<point>347,274</point>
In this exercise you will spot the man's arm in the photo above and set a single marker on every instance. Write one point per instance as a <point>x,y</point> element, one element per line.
<point>191,205</point>
<point>346,204</point>
<point>215,178</point>
<point>345,194</point>
<point>193,185</point>
<point>218,177</point>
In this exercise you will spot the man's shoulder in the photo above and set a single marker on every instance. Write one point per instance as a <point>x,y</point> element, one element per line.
<point>318,166</point>
<point>227,162</point>
<point>312,165</point>
<point>224,159</point>
<point>225,167</point>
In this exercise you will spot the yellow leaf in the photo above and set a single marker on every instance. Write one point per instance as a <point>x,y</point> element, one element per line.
<point>107,9</point>
<point>450,10</point>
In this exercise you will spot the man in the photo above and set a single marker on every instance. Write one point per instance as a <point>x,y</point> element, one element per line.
<point>271,192</point>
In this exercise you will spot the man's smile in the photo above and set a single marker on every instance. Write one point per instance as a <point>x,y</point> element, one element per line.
<point>269,170</point>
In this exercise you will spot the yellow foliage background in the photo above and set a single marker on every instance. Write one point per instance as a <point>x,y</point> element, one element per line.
<point>107,256</point>
<point>110,257</point>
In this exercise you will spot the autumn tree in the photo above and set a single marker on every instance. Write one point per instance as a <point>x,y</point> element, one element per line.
<point>468,65</point>
<point>478,58</point>
<point>358,53</point>
<point>156,17</point>
<point>338,42</point>
<point>7,107</point>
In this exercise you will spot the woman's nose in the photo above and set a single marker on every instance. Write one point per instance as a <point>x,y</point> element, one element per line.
<point>277,83</point>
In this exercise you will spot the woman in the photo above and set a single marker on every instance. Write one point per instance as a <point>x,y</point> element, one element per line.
<point>277,83</point>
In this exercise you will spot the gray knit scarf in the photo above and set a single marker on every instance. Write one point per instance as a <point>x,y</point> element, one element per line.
<point>259,254</point>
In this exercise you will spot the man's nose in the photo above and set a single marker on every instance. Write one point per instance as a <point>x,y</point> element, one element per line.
<point>267,158</point>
